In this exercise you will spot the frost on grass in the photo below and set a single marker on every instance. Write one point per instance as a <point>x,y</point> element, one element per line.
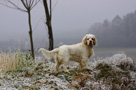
<point>112,73</point>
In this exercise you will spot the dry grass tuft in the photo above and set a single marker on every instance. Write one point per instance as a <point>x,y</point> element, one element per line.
<point>11,61</point>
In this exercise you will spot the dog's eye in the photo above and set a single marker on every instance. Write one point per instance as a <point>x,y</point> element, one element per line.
<point>87,39</point>
<point>93,38</point>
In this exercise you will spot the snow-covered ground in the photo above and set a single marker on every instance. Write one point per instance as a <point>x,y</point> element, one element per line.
<point>117,72</point>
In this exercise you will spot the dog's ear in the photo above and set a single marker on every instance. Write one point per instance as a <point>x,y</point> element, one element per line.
<point>95,41</point>
<point>84,40</point>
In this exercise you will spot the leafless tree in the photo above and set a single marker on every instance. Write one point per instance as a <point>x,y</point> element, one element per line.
<point>27,6</point>
<point>48,13</point>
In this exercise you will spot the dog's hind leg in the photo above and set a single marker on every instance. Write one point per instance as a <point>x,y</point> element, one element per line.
<point>57,63</point>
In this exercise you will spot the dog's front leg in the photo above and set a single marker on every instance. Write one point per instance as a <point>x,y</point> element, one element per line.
<point>86,67</point>
<point>65,69</point>
<point>65,66</point>
<point>84,63</point>
<point>80,65</point>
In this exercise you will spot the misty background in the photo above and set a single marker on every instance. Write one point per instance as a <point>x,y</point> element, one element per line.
<point>112,21</point>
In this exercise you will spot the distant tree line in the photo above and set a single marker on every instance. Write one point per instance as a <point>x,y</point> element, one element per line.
<point>120,32</point>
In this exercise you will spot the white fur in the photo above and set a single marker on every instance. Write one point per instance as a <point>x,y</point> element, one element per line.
<point>80,52</point>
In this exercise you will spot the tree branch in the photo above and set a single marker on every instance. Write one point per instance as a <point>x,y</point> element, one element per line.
<point>55,5</point>
<point>50,9</point>
<point>14,6</point>
<point>24,4</point>
<point>36,2</point>
<point>27,3</point>
<point>31,3</point>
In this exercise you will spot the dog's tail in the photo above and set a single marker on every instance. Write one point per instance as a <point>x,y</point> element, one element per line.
<point>49,54</point>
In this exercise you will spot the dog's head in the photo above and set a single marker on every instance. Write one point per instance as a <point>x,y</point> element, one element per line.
<point>89,40</point>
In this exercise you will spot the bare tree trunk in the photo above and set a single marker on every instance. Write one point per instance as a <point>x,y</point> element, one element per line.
<point>50,38</point>
<point>28,5</point>
<point>30,35</point>
<point>48,23</point>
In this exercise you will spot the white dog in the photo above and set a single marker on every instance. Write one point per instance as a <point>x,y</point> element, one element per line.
<point>80,52</point>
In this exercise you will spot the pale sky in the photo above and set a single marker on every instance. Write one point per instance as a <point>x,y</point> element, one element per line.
<point>70,17</point>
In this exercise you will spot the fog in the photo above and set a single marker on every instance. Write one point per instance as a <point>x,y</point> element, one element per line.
<point>71,20</point>
<point>120,32</point>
